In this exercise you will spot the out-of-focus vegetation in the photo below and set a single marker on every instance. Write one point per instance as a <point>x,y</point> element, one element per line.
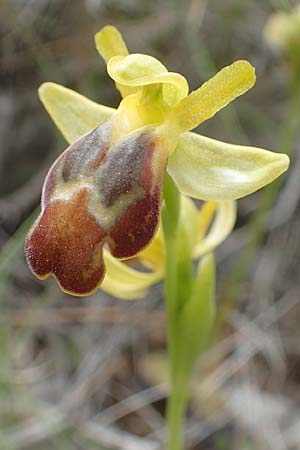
<point>89,374</point>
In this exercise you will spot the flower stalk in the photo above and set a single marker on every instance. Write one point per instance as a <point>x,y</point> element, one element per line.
<point>190,304</point>
<point>178,384</point>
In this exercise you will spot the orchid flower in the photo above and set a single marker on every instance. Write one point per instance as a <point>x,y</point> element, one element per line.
<point>101,199</point>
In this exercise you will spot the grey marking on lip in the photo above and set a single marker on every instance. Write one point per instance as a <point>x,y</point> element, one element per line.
<point>120,173</point>
<point>87,150</point>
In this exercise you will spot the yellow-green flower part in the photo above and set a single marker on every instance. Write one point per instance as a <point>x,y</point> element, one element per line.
<point>101,198</point>
<point>282,31</point>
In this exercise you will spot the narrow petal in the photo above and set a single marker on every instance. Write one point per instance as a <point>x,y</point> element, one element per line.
<point>207,169</point>
<point>222,226</point>
<point>125,282</point>
<point>109,43</point>
<point>73,114</point>
<point>205,217</point>
<point>137,70</point>
<point>208,99</point>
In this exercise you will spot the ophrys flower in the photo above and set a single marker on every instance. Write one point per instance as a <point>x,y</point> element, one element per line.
<point>105,189</point>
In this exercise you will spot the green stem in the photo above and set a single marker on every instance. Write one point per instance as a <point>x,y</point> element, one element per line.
<point>170,216</point>
<point>177,401</point>
<point>190,309</point>
<point>175,415</point>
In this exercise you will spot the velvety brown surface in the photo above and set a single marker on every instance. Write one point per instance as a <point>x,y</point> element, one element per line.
<point>136,227</point>
<point>67,242</point>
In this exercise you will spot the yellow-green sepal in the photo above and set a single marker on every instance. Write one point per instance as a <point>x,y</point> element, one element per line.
<point>208,169</point>
<point>72,113</point>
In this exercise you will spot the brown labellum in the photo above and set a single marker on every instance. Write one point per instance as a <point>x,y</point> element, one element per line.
<point>97,192</point>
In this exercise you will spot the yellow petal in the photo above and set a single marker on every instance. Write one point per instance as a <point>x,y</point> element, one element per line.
<point>206,101</point>
<point>153,256</point>
<point>138,70</point>
<point>125,282</point>
<point>205,217</point>
<point>72,113</point>
<point>207,169</point>
<point>109,43</point>
<point>220,229</point>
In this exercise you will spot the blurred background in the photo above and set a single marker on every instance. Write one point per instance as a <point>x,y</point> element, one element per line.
<point>91,373</point>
